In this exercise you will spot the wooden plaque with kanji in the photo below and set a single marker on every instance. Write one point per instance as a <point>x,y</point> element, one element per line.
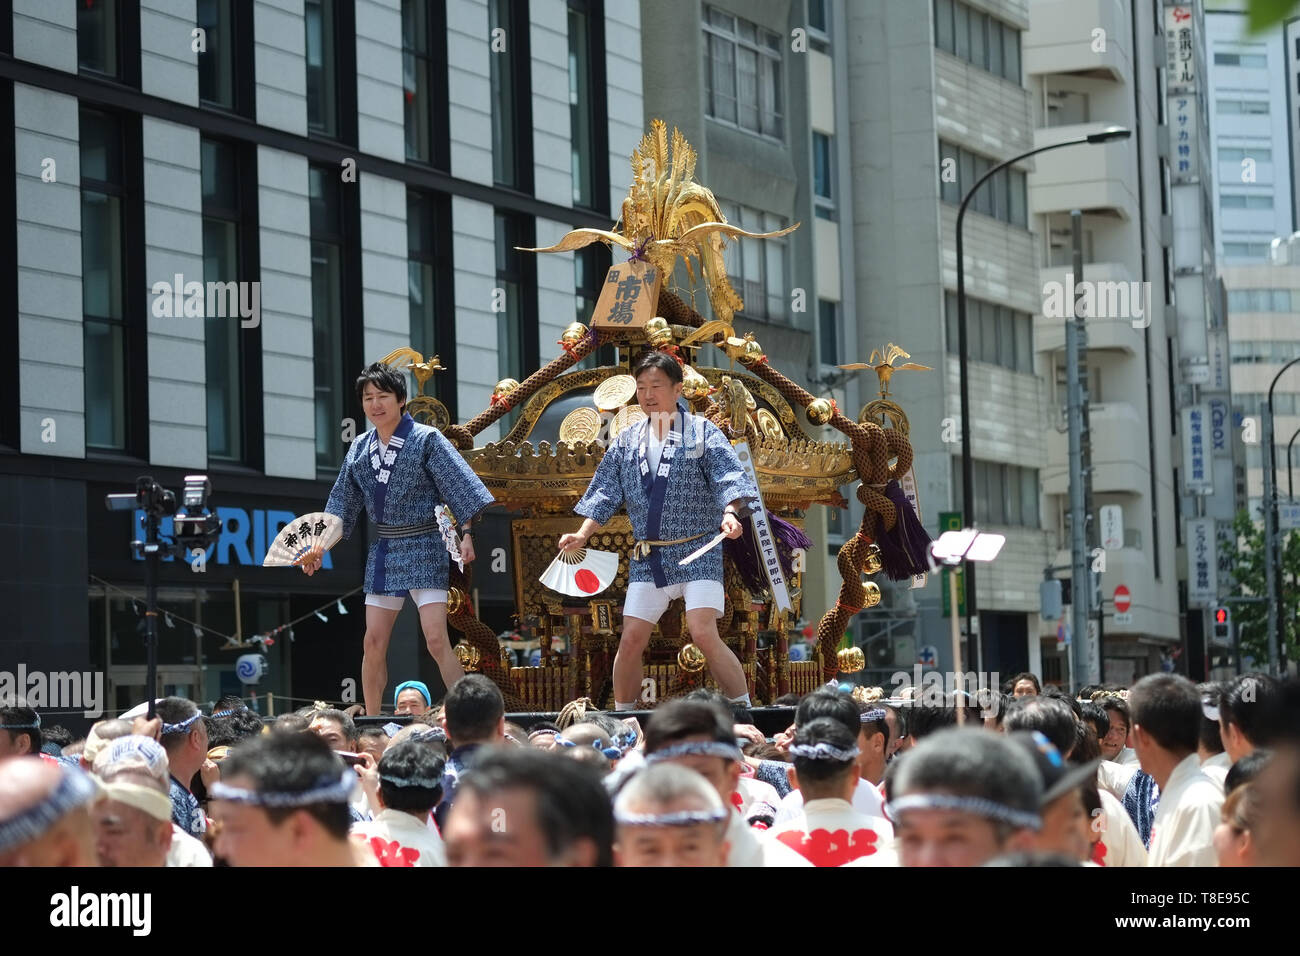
<point>629,296</point>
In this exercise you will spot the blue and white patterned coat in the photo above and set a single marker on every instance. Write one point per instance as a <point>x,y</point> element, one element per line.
<point>426,471</point>
<point>704,478</point>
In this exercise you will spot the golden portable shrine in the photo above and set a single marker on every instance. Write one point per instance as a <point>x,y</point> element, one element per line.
<point>542,466</point>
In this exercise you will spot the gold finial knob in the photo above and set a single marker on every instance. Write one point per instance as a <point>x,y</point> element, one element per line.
<point>691,659</point>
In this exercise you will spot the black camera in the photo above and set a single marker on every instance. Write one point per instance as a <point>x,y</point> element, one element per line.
<point>194,524</point>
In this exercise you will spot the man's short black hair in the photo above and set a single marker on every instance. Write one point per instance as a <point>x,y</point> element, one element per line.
<point>473,708</point>
<point>1168,708</point>
<point>371,730</point>
<point>1097,714</point>
<point>404,769</point>
<point>1249,703</point>
<point>1024,675</point>
<point>924,719</point>
<point>570,799</point>
<point>1209,737</point>
<point>1069,700</point>
<point>829,702</point>
<point>57,734</point>
<point>1115,705</point>
<point>383,377</point>
<point>739,712</point>
<point>660,360</point>
<point>234,727</point>
<point>1049,715</point>
<point>291,763</point>
<point>829,731</point>
<point>15,714</point>
<point>346,723</point>
<point>176,710</point>
<point>679,719</point>
<point>291,723</point>
<point>1246,769</point>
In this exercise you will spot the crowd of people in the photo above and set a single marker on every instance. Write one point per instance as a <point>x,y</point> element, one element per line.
<point>1166,773</point>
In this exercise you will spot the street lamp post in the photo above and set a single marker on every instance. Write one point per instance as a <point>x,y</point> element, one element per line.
<point>967,462</point>
<point>1290,477</point>
<point>1272,540</point>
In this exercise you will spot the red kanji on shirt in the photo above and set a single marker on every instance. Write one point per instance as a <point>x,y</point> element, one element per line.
<point>831,847</point>
<point>393,854</point>
<point>1099,853</point>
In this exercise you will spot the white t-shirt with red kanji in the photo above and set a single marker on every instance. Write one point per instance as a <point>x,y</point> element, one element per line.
<point>830,832</point>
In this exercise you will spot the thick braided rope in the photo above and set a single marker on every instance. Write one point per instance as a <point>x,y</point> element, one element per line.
<point>462,436</point>
<point>484,638</point>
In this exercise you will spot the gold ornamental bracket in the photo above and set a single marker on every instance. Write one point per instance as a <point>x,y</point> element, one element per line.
<point>423,408</point>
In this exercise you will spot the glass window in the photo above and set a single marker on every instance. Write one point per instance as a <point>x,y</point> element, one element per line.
<point>829,331</point>
<point>322,68</point>
<point>950,322</point>
<point>97,28</point>
<point>743,75</point>
<point>222,330</point>
<point>582,113</point>
<point>822,186</point>
<point>1025,345</point>
<point>996,63</point>
<point>1006,338</point>
<point>1019,201</point>
<point>217,61</point>
<point>103,280</point>
<point>327,313</point>
<point>1011,54</point>
<point>424,82</point>
<point>510,331</point>
<point>949,186</point>
<point>961,30</point>
<point>943,38</point>
<point>984,196</point>
<point>509,99</point>
<point>989,332</point>
<point>978,43</point>
<point>819,15</point>
<point>1029,516</point>
<point>421,267</point>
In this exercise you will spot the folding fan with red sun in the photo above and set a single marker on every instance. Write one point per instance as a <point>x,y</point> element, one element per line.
<point>581,573</point>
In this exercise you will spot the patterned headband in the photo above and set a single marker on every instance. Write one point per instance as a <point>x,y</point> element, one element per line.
<point>328,790</point>
<point>824,751</point>
<point>876,714</point>
<point>680,818</point>
<point>133,745</point>
<point>155,804</point>
<point>429,783</point>
<point>696,748</point>
<point>226,713</point>
<point>977,805</point>
<point>34,725</point>
<point>611,753</point>
<point>75,788</point>
<point>183,725</point>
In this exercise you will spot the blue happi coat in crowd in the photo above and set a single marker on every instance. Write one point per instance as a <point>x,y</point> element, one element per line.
<point>401,487</point>
<point>698,476</point>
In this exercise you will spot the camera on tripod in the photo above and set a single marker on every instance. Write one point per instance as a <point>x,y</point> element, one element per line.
<point>194,524</point>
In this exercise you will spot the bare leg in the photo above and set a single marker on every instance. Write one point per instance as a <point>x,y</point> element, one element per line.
<point>374,656</point>
<point>433,621</point>
<point>627,662</point>
<point>723,664</point>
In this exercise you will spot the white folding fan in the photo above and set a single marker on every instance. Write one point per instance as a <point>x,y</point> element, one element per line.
<point>581,573</point>
<point>300,535</point>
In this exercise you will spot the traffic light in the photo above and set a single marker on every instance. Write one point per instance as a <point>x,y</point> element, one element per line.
<point>1222,625</point>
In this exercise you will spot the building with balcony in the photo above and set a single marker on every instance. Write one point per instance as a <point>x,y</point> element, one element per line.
<point>1090,64</point>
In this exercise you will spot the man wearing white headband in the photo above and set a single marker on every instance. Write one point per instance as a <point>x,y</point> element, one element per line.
<point>45,814</point>
<point>130,822</point>
<point>962,797</point>
<point>827,830</point>
<point>283,801</point>
<point>185,738</point>
<point>700,736</point>
<point>669,816</point>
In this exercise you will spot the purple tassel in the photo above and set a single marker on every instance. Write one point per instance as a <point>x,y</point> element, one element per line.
<point>905,550</point>
<point>743,552</point>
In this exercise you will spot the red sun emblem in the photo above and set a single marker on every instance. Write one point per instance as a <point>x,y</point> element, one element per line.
<point>393,854</point>
<point>586,581</point>
<point>831,847</point>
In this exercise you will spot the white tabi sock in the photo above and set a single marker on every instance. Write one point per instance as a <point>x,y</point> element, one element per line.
<point>621,706</point>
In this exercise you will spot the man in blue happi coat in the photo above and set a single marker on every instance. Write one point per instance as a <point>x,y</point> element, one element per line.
<point>681,482</point>
<point>401,471</point>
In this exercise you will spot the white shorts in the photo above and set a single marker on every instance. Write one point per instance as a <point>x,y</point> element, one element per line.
<point>647,601</point>
<point>421,597</point>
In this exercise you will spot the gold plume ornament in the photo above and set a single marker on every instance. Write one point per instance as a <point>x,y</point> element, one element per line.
<point>468,655</point>
<point>668,214</point>
<point>882,410</point>
<point>421,407</point>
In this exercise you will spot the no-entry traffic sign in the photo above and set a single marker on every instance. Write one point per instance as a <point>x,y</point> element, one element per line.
<point>1123,600</point>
